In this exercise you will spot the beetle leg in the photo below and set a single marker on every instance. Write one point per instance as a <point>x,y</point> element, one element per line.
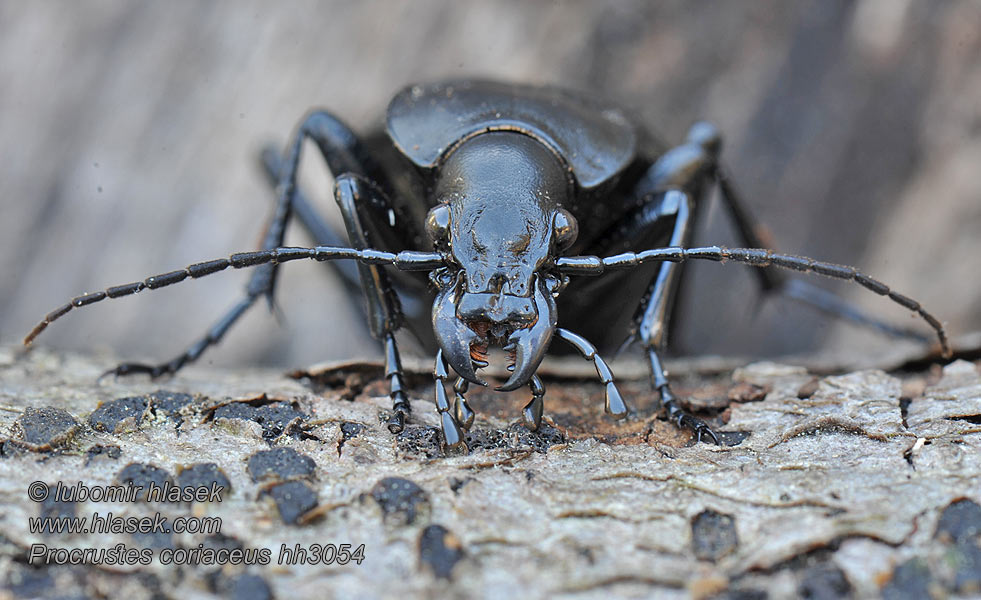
<point>452,432</point>
<point>614,401</point>
<point>754,235</point>
<point>675,414</point>
<point>532,411</point>
<point>353,193</point>
<point>343,153</point>
<point>652,318</point>
<point>320,231</point>
<point>388,233</point>
<point>464,414</point>
<point>322,128</point>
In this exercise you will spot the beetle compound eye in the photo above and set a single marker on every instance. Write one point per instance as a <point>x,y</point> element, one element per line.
<point>438,224</point>
<point>442,278</point>
<point>566,229</point>
<point>555,283</point>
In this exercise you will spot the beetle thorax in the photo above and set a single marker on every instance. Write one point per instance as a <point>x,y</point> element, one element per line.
<point>502,189</point>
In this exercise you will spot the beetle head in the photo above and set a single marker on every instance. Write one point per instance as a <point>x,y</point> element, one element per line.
<point>498,216</point>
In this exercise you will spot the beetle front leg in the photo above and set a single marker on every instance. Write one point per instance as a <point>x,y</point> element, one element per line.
<point>354,194</point>
<point>464,414</point>
<point>343,152</point>
<point>452,432</point>
<point>532,412</point>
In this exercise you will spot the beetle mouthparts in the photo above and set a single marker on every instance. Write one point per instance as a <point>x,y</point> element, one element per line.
<point>457,340</point>
<point>528,345</point>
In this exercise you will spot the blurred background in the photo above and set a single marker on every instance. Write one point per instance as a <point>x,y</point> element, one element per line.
<point>129,133</point>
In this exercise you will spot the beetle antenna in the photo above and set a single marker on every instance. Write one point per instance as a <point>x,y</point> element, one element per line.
<point>757,257</point>
<point>404,261</point>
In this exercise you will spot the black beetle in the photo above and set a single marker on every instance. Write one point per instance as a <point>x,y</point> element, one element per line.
<point>500,193</point>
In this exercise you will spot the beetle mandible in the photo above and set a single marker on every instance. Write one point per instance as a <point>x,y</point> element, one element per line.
<point>503,194</point>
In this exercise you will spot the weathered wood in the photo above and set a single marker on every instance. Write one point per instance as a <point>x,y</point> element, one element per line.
<point>859,483</point>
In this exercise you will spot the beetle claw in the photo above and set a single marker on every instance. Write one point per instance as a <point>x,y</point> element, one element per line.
<point>396,423</point>
<point>615,406</point>
<point>452,433</point>
<point>532,413</point>
<point>455,338</point>
<point>531,343</point>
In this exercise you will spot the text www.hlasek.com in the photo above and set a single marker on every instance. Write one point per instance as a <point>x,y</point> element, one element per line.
<point>109,523</point>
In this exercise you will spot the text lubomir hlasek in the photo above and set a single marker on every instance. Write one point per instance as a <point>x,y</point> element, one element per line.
<point>167,492</point>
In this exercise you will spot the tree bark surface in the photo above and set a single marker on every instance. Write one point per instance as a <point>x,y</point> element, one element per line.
<point>863,484</point>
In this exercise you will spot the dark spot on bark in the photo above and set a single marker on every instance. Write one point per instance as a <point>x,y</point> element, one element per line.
<point>713,535</point>
<point>116,416</point>
<point>141,474</point>
<point>169,403</point>
<point>204,475</point>
<point>245,586</point>
<point>293,499</point>
<point>108,450</point>
<point>273,415</point>
<point>155,539</point>
<point>807,390</point>
<point>275,418</point>
<point>41,429</point>
<point>516,436</point>
<point>400,499</point>
<point>280,464</point>
<point>732,438</point>
<point>235,410</point>
<point>350,430</point>
<point>824,582</point>
<point>960,522</point>
<point>439,550</point>
<point>910,581</point>
<point>420,442</point>
<point>456,484</point>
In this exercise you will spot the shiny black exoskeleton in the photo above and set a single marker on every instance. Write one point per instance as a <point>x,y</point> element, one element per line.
<point>502,194</point>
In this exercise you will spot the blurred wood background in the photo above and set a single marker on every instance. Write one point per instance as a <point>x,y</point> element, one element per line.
<point>129,134</point>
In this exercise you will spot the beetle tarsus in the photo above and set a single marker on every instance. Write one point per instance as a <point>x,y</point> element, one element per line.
<point>464,414</point>
<point>452,432</point>
<point>614,403</point>
<point>698,427</point>
<point>393,372</point>
<point>615,406</point>
<point>453,435</point>
<point>532,412</point>
<point>396,422</point>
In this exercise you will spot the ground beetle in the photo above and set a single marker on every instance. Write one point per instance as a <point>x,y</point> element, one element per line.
<point>504,195</point>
